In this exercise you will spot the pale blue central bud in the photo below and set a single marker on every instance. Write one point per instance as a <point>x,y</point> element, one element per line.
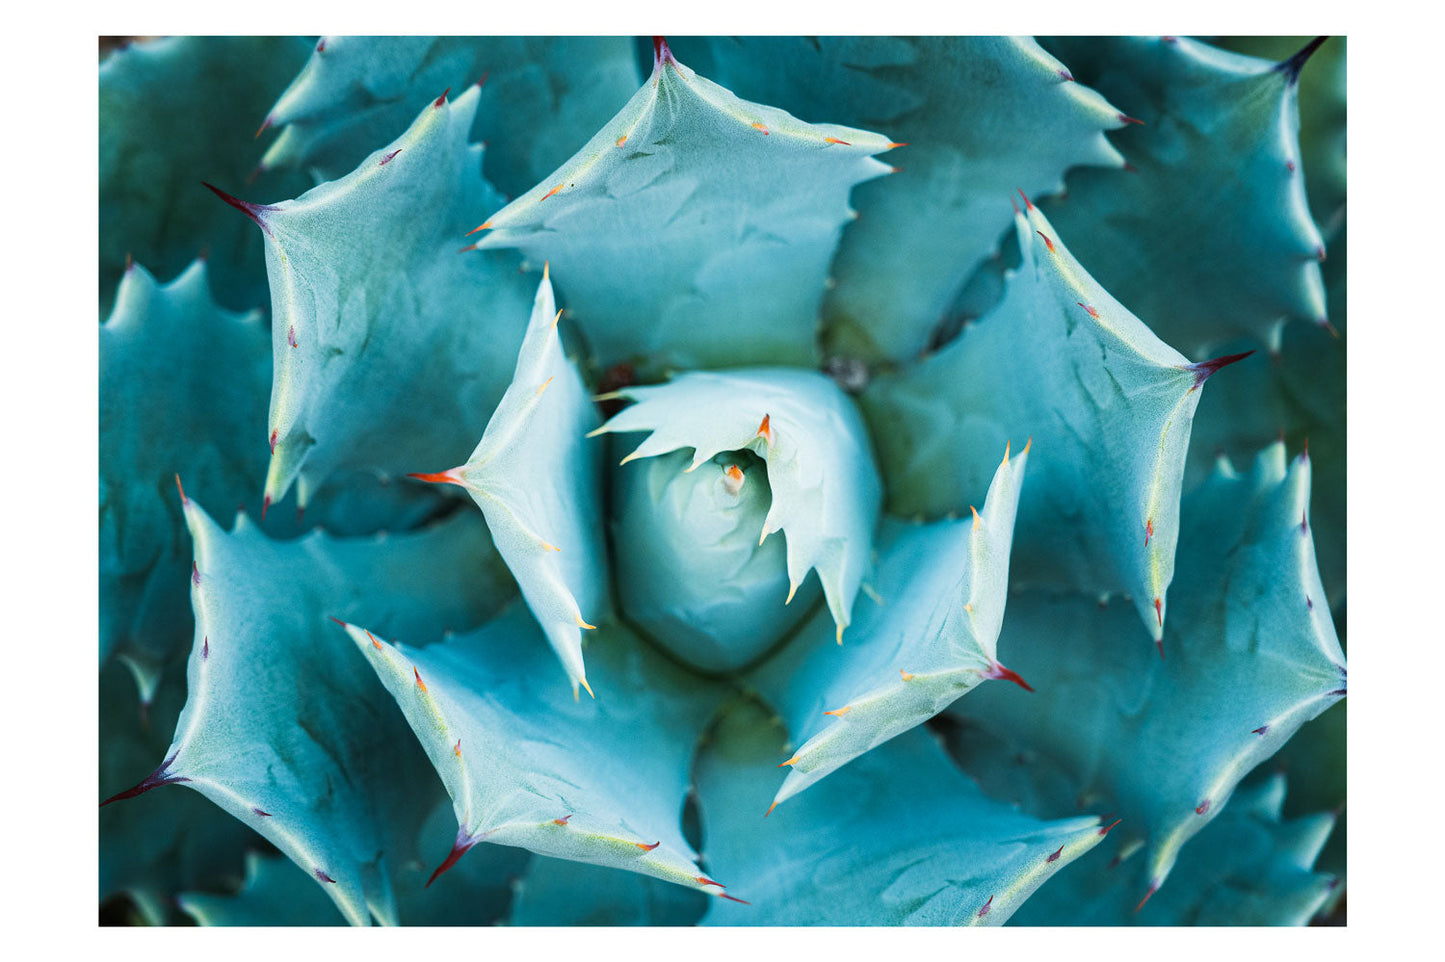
<point>691,573</point>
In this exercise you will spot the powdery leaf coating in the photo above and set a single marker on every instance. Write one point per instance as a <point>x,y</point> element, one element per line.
<point>175,111</point>
<point>826,494</point>
<point>536,479</point>
<point>283,725</point>
<point>1250,617</point>
<point>1247,867</point>
<point>540,98</point>
<point>900,837</point>
<point>598,780</point>
<point>1109,408</point>
<point>982,116</point>
<point>390,349</point>
<point>695,229</point>
<point>928,639</point>
<point>1210,235</point>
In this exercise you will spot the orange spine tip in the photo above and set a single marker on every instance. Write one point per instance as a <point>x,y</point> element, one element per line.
<point>583,624</point>
<point>621,140</point>
<point>1148,531</point>
<point>790,762</point>
<point>765,429</point>
<point>549,546</point>
<point>760,127</point>
<point>1028,204</point>
<point>1153,887</point>
<point>647,848</point>
<point>184,501</point>
<point>440,477</point>
<point>840,712</point>
<point>1092,312</point>
<point>547,383</point>
<point>562,821</point>
<point>895,143</point>
<point>835,140</point>
<point>419,683</point>
<point>457,748</point>
<point>1159,611</point>
<point>1048,243</point>
<point>553,192</point>
<point>486,226</point>
<point>770,809</point>
<point>374,643</point>
<point>704,880</point>
<point>273,441</point>
<point>1110,827</point>
<point>976,521</point>
<point>906,675</point>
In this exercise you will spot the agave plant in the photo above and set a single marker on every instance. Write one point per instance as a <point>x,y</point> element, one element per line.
<point>777,481</point>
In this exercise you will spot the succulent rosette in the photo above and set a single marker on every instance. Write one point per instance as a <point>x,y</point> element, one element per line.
<point>681,500</point>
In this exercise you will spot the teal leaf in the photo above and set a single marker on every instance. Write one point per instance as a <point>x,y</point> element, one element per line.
<point>1247,867</point>
<point>173,112</point>
<point>274,893</point>
<point>695,228</point>
<point>167,842</point>
<point>540,98</point>
<point>690,571</point>
<point>283,726</point>
<point>1209,237</point>
<point>390,348</point>
<point>1147,734</point>
<point>1108,406</point>
<point>900,837</point>
<point>600,781</point>
<point>930,639</point>
<point>158,395</point>
<point>982,116</point>
<point>558,892</point>
<point>536,479</point>
<point>826,494</point>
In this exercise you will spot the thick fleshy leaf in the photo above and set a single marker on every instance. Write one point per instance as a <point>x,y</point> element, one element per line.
<point>536,478</point>
<point>691,573</point>
<point>167,842</point>
<point>390,348</point>
<point>173,112</point>
<point>1209,236</point>
<point>557,892</point>
<point>1248,867</point>
<point>159,397</point>
<point>900,837</point>
<point>695,228</point>
<point>478,892</point>
<point>983,116</point>
<point>284,727</point>
<point>357,92</point>
<point>826,494</point>
<point>1250,619</point>
<point>1108,406</point>
<point>599,781</point>
<point>930,638</point>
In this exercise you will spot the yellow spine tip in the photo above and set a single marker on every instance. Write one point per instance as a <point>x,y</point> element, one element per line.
<point>547,383</point>
<point>975,517</point>
<point>583,624</point>
<point>839,634</point>
<point>554,324</point>
<point>839,712</point>
<point>906,675</point>
<point>584,684</point>
<point>547,265</point>
<point>792,590</point>
<point>1007,446</point>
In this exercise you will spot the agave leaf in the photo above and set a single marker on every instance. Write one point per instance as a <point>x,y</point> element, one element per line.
<point>695,228</point>
<point>931,638</point>
<point>276,892</point>
<point>167,842</point>
<point>1210,236</point>
<point>825,488</point>
<point>283,725</point>
<point>558,892</point>
<point>536,479</point>
<point>357,92</point>
<point>1250,619</point>
<point>1248,867</point>
<point>898,837</point>
<point>173,112</point>
<point>158,395</point>
<point>599,781</point>
<point>390,349</point>
<point>1106,402</point>
<point>982,117</point>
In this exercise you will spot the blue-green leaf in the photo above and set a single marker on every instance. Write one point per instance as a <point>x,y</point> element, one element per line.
<point>1251,655</point>
<point>900,837</point>
<point>695,228</point>
<point>536,477</point>
<point>929,639</point>
<point>558,892</point>
<point>599,781</point>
